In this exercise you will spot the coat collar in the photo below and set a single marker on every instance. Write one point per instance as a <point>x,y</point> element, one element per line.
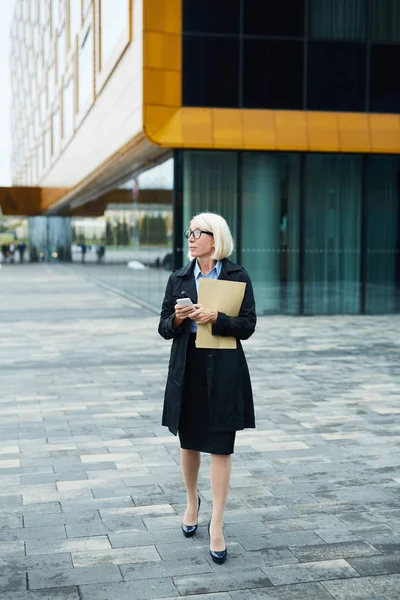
<point>227,267</point>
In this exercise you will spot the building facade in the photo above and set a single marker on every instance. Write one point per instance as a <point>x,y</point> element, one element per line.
<point>282,116</point>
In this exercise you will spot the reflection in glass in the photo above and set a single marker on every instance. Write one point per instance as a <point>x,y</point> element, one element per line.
<point>336,78</point>
<point>332,234</point>
<point>385,20</point>
<point>270,229</point>
<point>208,16</point>
<point>338,19</point>
<point>272,18</point>
<point>209,184</point>
<point>384,83</point>
<point>383,235</point>
<point>210,72</point>
<point>276,81</point>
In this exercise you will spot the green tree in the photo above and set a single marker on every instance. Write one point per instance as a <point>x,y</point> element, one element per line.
<point>73,234</point>
<point>109,234</point>
<point>125,234</point>
<point>118,234</point>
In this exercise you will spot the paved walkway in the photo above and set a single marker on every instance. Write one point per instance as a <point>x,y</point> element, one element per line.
<point>91,495</point>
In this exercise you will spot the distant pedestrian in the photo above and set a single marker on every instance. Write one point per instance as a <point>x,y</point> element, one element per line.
<point>11,250</point>
<point>208,395</point>
<point>100,251</point>
<point>83,251</point>
<point>4,252</point>
<point>21,250</point>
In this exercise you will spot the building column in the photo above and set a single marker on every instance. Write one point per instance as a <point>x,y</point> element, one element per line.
<point>50,239</point>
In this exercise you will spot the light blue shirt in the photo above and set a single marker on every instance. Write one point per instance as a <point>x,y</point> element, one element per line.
<point>213,274</point>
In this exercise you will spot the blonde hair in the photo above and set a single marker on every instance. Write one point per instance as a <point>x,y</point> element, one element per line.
<point>223,241</point>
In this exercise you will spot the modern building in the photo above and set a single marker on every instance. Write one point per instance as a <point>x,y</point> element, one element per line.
<point>282,116</point>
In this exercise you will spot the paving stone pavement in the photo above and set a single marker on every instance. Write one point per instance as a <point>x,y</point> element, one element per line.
<point>91,494</point>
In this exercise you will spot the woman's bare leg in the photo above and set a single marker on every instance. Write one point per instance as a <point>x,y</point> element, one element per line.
<point>220,472</point>
<point>190,461</point>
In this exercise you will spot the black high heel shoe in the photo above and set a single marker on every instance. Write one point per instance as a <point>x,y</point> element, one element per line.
<point>218,557</point>
<point>189,530</point>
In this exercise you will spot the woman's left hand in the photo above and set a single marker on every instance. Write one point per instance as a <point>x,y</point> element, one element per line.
<point>203,315</point>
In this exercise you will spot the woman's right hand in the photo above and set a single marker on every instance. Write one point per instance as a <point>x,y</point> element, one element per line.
<point>182,313</point>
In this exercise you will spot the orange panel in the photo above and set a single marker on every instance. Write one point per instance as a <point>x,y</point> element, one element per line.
<point>323,132</point>
<point>162,15</point>
<point>385,133</point>
<point>258,129</point>
<point>291,130</point>
<point>154,118</point>
<point>354,134</point>
<point>227,128</point>
<point>162,51</point>
<point>197,127</point>
<point>162,87</point>
<point>171,134</point>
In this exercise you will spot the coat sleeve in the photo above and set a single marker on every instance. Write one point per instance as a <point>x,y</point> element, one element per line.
<point>165,328</point>
<point>242,326</point>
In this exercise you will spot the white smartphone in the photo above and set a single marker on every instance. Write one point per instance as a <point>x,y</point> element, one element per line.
<point>184,302</point>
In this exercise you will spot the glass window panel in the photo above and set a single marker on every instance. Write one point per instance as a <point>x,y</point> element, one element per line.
<point>383,235</point>
<point>274,18</point>
<point>384,81</point>
<point>385,20</point>
<point>208,16</point>
<point>210,73</point>
<point>43,12</point>
<point>61,53</point>
<point>276,81</point>
<point>209,183</point>
<point>336,78</point>
<point>51,84</point>
<point>75,16</point>
<point>46,43</point>
<point>43,105</point>
<point>68,109</point>
<point>270,229</point>
<point>338,19</point>
<point>85,70</point>
<point>56,133</point>
<point>332,234</point>
<point>113,19</point>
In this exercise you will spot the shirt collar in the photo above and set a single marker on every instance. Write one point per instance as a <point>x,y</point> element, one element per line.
<point>217,268</point>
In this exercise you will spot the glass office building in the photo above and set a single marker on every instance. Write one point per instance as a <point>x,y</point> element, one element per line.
<point>284,117</point>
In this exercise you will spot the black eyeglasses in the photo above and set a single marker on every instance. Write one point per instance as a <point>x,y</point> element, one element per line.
<point>196,233</point>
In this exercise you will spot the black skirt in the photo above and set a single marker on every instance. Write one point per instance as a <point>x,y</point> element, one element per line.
<point>194,424</point>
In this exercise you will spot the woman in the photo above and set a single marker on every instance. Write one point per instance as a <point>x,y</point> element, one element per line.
<point>208,395</point>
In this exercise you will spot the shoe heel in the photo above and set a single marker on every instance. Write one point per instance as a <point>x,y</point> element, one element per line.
<point>190,530</point>
<point>218,557</point>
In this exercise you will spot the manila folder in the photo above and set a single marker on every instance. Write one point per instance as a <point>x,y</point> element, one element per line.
<point>226,297</point>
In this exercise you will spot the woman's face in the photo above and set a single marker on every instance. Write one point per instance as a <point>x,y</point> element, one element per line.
<point>204,246</point>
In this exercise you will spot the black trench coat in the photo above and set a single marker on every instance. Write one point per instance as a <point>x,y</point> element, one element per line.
<point>230,395</point>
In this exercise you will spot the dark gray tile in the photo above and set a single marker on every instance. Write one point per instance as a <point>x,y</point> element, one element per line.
<point>67,577</point>
<point>221,582</point>
<point>138,590</point>
<point>376,565</point>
